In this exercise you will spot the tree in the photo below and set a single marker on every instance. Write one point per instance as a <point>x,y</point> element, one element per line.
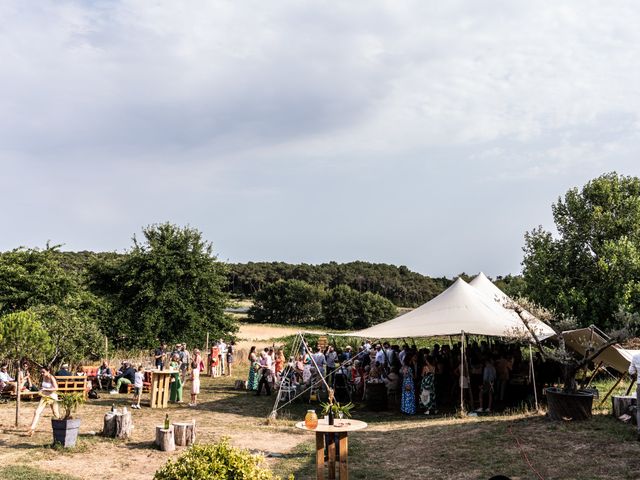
<point>22,336</point>
<point>288,301</point>
<point>345,308</point>
<point>591,270</point>
<point>168,287</point>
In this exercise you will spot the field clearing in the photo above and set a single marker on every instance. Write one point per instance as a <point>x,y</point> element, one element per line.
<point>394,446</point>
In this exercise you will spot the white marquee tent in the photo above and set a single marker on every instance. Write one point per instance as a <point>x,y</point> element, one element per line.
<point>486,286</point>
<point>459,309</point>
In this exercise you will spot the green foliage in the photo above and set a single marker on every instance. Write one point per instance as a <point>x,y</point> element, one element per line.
<point>337,408</point>
<point>23,336</point>
<point>288,301</point>
<point>69,402</point>
<point>398,284</point>
<point>23,472</point>
<point>220,461</point>
<point>345,308</point>
<point>592,270</point>
<point>168,287</point>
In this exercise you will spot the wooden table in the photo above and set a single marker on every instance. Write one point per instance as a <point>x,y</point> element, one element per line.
<point>341,428</point>
<point>160,385</point>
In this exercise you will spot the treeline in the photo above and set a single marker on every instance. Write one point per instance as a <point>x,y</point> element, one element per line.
<point>397,284</point>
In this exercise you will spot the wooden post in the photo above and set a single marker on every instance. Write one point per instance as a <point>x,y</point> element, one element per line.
<point>332,456</point>
<point>344,455</point>
<point>184,433</point>
<point>319,456</point>
<point>633,382</point>
<point>164,438</point>
<point>18,388</point>
<point>612,389</point>
<point>593,375</point>
<point>533,377</point>
<point>462,374</point>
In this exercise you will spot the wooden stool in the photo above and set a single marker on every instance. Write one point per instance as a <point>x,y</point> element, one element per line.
<point>117,425</point>
<point>164,438</point>
<point>184,433</point>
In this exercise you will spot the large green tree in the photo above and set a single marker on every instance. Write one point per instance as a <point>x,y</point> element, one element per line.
<point>168,288</point>
<point>345,308</point>
<point>591,268</point>
<point>288,301</point>
<point>33,279</point>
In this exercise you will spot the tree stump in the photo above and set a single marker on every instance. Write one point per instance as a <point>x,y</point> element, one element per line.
<point>164,438</point>
<point>117,425</point>
<point>621,405</point>
<point>184,433</point>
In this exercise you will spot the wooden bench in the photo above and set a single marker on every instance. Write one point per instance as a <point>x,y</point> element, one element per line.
<point>73,384</point>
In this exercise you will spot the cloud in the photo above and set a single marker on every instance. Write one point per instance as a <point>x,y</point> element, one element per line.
<point>302,116</point>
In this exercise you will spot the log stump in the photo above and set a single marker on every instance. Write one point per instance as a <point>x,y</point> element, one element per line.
<point>164,438</point>
<point>184,433</point>
<point>117,425</point>
<point>621,405</point>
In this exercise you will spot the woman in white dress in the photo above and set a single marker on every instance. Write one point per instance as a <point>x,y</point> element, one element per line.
<point>48,396</point>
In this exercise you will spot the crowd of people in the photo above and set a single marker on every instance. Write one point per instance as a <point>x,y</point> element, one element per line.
<point>420,380</point>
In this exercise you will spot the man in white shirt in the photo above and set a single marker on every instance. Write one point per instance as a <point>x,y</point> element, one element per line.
<point>634,369</point>
<point>7,382</point>
<point>222,356</point>
<point>380,356</point>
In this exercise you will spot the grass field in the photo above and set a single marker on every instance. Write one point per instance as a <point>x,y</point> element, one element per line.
<point>392,447</point>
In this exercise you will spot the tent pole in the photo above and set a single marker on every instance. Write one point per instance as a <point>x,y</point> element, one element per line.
<point>533,377</point>
<point>612,389</point>
<point>633,381</point>
<point>593,375</point>
<point>461,374</point>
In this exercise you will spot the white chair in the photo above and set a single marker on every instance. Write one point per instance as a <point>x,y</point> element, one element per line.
<point>286,389</point>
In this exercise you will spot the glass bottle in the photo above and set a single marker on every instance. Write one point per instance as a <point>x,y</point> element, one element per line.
<point>311,419</point>
<point>166,422</point>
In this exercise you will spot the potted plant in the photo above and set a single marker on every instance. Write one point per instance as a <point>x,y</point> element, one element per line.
<point>338,410</point>
<point>66,428</point>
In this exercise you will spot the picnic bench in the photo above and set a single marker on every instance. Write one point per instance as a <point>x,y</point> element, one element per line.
<point>73,384</point>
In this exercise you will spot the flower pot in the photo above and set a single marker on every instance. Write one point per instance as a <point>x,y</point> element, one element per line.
<point>65,432</point>
<point>568,406</point>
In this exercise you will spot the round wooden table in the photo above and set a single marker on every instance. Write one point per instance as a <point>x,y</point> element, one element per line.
<point>341,428</point>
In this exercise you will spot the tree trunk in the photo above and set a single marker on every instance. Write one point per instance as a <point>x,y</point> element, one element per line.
<point>184,433</point>
<point>621,405</point>
<point>117,425</point>
<point>164,439</point>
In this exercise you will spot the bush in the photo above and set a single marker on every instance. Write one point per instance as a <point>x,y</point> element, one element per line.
<point>220,461</point>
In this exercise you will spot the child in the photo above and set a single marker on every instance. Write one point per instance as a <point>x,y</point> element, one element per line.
<point>137,387</point>
<point>195,382</point>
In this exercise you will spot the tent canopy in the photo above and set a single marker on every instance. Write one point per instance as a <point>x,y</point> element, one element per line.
<point>614,356</point>
<point>460,308</point>
<point>486,286</point>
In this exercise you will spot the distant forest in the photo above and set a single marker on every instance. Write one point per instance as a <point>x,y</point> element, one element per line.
<point>398,284</point>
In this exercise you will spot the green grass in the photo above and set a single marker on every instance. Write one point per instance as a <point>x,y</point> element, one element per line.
<point>16,472</point>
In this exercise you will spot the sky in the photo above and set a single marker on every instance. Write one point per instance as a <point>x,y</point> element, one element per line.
<point>421,133</point>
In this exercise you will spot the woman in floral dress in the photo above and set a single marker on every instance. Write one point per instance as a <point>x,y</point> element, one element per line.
<point>408,402</point>
<point>252,381</point>
<point>427,386</point>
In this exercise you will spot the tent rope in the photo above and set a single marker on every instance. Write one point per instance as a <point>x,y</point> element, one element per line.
<point>524,454</point>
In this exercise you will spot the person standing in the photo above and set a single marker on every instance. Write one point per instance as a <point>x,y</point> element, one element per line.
<point>230,353</point>
<point>138,385</point>
<point>222,355</point>
<point>408,401</point>
<point>634,369</point>
<point>185,360</point>
<point>427,386</point>
<point>48,396</point>
<point>159,356</point>
<point>175,395</point>
<point>254,367</point>
<point>195,381</point>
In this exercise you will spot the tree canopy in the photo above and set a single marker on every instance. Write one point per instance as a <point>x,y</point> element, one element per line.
<point>167,288</point>
<point>591,269</point>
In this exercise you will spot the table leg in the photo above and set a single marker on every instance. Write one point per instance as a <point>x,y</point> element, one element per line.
<point>319,456</point>
<point>332,456</point>
<point>344,455</point>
